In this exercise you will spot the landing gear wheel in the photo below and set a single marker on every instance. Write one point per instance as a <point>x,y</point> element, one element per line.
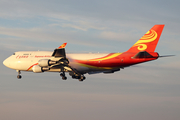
<point>19,76</point>
<point>62,74</point>
<point>82,78</point>
<point>64,78</point>
<point>74,77</point>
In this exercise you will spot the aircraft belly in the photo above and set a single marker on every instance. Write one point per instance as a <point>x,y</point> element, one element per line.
<point>78,67</point>
<point>90,69</point>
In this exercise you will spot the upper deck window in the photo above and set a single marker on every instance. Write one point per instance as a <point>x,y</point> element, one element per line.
<point>13,53</point>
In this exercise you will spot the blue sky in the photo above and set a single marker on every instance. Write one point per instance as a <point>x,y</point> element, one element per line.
<point>146,91</point>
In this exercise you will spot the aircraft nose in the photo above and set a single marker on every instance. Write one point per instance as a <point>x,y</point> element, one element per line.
<point>6,62</point>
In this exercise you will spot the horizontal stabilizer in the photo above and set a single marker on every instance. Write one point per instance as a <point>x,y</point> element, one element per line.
<point>143,54</point>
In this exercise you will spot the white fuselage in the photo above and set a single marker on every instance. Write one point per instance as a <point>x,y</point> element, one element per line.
<point>25,60</point>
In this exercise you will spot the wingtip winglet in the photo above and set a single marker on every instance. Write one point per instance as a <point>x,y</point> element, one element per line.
<point>62,46</point>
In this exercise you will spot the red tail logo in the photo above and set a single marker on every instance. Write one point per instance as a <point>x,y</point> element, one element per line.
<point>149,41</point>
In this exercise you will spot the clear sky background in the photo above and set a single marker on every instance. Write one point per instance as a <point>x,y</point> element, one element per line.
<point>149,91</point>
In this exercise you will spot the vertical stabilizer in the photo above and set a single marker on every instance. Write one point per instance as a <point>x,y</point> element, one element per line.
<point>149,41</point>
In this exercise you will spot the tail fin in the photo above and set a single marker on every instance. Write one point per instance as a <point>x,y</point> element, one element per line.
<point>149,41</point>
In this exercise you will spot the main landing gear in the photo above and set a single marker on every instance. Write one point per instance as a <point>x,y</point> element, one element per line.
<point>19,76</point>
<point>80,77</point>
<point>63,76</point>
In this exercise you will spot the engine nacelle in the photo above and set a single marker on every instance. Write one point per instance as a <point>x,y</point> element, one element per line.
<point>38,69</point>
<point>46,62</point>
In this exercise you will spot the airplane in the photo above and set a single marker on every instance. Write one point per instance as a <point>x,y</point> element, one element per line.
<point>79,64</point>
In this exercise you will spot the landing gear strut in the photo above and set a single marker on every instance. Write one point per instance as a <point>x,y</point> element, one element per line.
<point>63,76</point>
<point>19,76</point>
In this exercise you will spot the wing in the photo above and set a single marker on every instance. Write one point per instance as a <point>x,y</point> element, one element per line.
<point>63,63</point>
<point>61,55</point>
<point>60,51</point>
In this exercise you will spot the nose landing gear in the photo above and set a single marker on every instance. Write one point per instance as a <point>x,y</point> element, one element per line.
<point>19,76</point>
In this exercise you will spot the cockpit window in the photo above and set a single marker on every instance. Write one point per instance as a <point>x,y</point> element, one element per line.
<point>13,53</point>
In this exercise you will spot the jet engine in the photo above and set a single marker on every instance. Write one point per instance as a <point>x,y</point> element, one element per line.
<point>46,62</point>
<point>38,69</point>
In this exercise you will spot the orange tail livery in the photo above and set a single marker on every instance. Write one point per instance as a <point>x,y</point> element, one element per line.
<point>149,41</point>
